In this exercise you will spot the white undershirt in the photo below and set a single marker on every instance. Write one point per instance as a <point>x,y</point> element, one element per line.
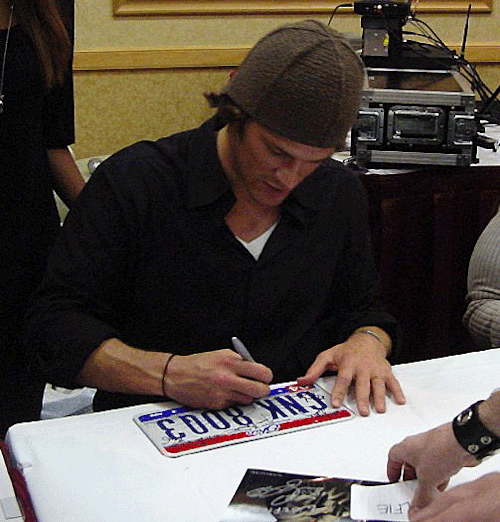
<point>256,246</point>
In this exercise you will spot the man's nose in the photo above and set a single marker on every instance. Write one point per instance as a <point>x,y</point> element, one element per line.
<point>288,173</point>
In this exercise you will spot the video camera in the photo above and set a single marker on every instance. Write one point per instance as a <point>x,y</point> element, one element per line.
<point>383,43</point>
<point>382,24</point>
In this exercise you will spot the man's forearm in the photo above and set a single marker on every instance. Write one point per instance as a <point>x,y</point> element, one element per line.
<point>117,367</point>
<point>212,380</point>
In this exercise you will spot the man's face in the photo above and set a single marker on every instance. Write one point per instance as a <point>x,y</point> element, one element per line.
<point>265,167</point>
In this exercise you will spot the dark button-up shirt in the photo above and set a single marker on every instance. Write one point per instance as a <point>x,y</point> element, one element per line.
<point>146,256</point>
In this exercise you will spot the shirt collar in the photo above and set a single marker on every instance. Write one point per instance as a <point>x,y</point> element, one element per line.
<point>207,181</point>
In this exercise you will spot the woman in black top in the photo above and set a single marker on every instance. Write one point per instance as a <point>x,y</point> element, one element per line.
<point>36,127</point>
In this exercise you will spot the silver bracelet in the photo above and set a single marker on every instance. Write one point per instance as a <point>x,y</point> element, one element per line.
<point>373,334</point>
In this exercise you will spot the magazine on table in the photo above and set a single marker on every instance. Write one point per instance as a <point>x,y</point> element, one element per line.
<point>270,496</point>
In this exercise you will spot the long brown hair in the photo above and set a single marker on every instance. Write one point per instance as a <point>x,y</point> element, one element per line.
<point>48,26</point>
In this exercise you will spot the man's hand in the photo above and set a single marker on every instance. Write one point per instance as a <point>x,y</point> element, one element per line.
<point>205,380</point>
<point>478,500</point>
<point>216,380</point>
<point>432,457</point>
<point>361,361</point>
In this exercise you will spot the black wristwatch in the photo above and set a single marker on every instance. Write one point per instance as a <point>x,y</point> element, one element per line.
<point>473,435</point>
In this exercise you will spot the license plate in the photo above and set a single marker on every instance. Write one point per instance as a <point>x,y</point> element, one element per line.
<point>181,430</point>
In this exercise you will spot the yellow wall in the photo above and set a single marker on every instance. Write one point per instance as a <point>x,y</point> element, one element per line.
<point>142,77</point>
<point>114,109</point>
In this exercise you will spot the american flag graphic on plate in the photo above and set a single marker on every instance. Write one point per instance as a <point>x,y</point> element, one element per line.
<point>180,430</point>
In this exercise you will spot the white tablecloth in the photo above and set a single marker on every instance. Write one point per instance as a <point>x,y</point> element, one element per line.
<point>101,468</point>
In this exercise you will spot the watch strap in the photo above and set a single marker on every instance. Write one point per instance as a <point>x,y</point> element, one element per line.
<point>473,435</point>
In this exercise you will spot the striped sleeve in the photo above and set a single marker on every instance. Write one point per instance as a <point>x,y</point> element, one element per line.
<point>482,316</point>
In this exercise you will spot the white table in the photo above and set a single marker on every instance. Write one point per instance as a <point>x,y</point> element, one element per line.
<point>101,468</point>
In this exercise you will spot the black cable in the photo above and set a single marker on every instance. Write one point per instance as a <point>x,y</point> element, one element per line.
<point>435,43</point>
<point>465,68</point>
<point>490,99</point>
<point>336,9</point>
<point>469,72</point>
<point>424,50</point>
<point>429,28</point>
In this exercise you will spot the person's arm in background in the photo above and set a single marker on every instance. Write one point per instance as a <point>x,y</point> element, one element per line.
<point>433,457</point>
<point>59,123</point>
<point>482,317</point>
<point>67,179</point>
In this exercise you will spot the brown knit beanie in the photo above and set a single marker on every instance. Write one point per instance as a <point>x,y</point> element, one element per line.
<point>302,81</point>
